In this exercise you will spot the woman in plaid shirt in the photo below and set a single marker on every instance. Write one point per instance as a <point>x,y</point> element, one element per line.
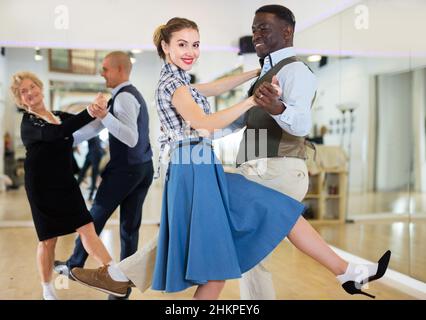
<point>215,225</point>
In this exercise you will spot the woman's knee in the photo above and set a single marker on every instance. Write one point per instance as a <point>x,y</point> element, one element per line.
<point>49,243</point>
<point>87,231</point>
<point>217,284</point>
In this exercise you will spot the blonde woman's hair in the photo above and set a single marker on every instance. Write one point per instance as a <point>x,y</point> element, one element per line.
<point>17,79</point>
<point>165,31</point>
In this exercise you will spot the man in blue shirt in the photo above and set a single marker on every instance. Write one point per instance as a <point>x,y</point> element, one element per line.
<point>283,121</point>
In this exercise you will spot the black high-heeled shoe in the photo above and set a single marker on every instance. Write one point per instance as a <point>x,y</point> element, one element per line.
<point>354,287</point>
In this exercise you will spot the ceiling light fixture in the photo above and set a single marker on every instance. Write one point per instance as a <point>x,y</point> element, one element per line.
<point>314,58</point>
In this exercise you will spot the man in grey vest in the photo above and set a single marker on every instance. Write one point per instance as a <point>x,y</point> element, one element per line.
<point>129,173</point>
<point>273,150</point>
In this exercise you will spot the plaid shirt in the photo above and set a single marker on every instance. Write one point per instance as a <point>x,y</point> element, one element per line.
<point>173,126</point>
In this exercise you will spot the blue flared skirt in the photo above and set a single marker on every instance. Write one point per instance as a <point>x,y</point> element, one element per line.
<point>215,225</point>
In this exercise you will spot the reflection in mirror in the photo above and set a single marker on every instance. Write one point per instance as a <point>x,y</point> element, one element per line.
<point>394,138</point>
<point>371,106</point>
<point>73,96</point>
<point>75,61</point>
<point>372,109</point>
<point>417,207</point>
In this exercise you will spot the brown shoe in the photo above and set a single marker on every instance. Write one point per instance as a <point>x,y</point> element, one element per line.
<point>100,279</point>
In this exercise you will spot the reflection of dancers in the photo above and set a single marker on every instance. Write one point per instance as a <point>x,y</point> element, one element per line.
<point>93,159</point>
<point>56,202</point>
<point>215,226</point>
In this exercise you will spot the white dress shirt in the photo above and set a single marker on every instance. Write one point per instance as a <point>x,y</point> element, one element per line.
<point>122,124</point>
<point>299,85</point>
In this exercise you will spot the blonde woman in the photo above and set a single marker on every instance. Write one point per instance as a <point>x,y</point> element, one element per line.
<point>56,202</point>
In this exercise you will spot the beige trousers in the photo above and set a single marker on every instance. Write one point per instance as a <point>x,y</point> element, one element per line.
<point>139,267</point>
<point>286,175</point>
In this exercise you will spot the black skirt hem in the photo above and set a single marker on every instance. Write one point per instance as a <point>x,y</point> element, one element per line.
<point>63,232</point>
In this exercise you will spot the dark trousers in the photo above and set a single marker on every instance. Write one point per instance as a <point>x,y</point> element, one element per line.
<point>124,187</point>
<point>94,162</point>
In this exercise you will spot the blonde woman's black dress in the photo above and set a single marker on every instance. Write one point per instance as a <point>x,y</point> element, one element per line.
<point>56,202</point>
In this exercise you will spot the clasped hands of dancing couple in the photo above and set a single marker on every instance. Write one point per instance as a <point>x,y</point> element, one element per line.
<point>57,205</point>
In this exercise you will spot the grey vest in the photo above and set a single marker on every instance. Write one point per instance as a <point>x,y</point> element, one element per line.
<point>122,155</point>
<point>272,141</point>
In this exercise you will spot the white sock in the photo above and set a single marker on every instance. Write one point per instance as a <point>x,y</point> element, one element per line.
<point>358,272</point>
<point>115,273</point>
<point>48,291</point>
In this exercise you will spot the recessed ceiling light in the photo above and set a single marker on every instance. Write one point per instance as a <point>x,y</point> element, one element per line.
<point>314,58</point>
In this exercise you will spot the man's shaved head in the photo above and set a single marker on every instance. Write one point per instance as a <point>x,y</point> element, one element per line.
<point>120,58</point>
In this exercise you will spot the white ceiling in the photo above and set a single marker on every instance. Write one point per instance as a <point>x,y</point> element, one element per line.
<point>322,25</point>
<point>130,23</point>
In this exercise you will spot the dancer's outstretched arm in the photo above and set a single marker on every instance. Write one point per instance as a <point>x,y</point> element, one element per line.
<point>192,113</point>
<point>220,86</point>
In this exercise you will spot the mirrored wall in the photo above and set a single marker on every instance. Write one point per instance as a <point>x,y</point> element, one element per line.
<point>371,105</point>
